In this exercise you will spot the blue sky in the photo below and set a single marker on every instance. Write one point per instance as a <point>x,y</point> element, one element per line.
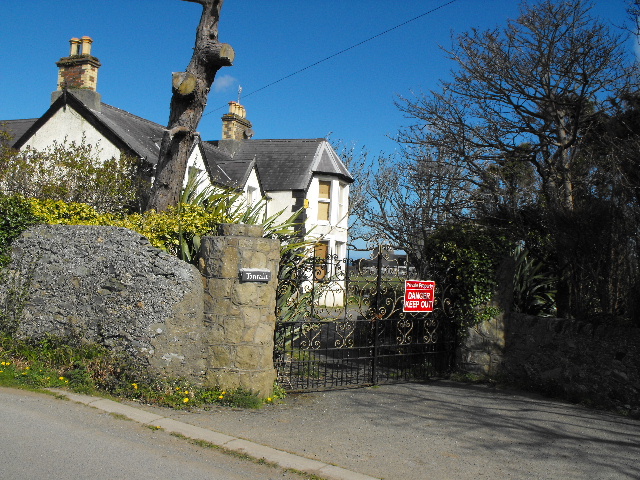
<point>349,97</point>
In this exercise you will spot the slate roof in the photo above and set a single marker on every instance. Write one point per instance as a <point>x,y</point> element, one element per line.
<point>132,134</point>
<point>17,128</point>
<point>286,164</point>
<point>142,136</point>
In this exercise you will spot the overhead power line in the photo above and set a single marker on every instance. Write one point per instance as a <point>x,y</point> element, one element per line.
<point>343,51</point>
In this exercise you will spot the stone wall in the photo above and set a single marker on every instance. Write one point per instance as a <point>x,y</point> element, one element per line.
<point>482,346</point>
<point>579,361</point>
<point>239,316</point>
<point>108,285</point>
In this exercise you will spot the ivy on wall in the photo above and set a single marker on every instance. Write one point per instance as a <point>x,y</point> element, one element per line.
<point>464,258</point>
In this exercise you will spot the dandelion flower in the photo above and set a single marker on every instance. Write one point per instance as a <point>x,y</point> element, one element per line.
<point>186,392</point>
<point>221,397</point>
<point>60,378</point>
<point>185,400</point>
<point>269,399</point>
<point>135,386</point>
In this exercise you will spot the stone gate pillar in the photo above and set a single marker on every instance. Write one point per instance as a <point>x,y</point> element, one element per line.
<point>240,270</point>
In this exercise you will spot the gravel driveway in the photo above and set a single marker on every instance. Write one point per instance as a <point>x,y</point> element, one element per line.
<point>441,430</point>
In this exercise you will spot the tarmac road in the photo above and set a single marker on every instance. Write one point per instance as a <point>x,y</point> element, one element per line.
<point>440,430</point>
<point>43,437</point>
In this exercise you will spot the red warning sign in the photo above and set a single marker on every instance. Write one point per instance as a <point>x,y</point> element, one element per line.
<point>419,295</point>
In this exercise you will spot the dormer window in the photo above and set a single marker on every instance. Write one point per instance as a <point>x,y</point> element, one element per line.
<point>324,200</point>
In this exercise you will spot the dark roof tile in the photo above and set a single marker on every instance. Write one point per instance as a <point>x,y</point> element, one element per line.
<point>17,128</point>
<point>285,164</point>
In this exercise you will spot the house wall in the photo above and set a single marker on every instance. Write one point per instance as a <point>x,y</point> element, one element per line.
<point>252,191</point>
<point>335,230</point>
<point>195,160</point>
<point>280,200</point>
<point>68,124</point>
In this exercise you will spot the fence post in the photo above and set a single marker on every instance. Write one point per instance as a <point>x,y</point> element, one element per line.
<point>240,276</point>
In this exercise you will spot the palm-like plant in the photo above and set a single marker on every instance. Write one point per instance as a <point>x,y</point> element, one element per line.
<point>534,287</point>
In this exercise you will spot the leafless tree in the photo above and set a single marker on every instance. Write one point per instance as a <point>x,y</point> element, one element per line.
<point>189,99</point>
<point>535,82</point>
<point>506,131</point>
<point>408,197</point>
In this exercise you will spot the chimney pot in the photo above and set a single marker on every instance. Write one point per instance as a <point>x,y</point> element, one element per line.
<point>235,123</point>
<point>86,45</point>
<point>75,46</point>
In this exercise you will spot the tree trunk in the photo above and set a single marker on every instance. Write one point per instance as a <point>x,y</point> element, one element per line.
<point>189,99</point>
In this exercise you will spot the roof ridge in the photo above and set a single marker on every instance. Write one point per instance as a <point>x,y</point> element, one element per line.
<point>274,140</point>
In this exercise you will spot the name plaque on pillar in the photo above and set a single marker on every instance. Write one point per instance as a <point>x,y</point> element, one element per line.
<point>255,275</point>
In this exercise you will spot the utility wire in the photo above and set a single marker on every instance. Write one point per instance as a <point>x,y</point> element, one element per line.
<point>342,51</point>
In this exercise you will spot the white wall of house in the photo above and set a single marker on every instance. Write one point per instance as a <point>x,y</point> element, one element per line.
<point>252,191</point>
<point>332,231</point>
<point>335,229</point>
<point>195,160</point>
<point>67,124</point>
<point>280,201</point>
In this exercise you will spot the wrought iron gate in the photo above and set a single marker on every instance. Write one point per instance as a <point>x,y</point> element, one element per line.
<point>341,323</point>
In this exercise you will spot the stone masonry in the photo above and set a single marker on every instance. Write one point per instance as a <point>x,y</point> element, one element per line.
<point>108,285</point>
<point>239,316</point>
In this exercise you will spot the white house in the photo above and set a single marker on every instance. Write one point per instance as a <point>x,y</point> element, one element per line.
<point>291,174</point>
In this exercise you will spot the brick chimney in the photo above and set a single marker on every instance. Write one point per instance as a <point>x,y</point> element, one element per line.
<point>78,73</point>
<point>235,125</point>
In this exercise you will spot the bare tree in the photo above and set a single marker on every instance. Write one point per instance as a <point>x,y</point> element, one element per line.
<point>409,197</point>
<point>535,82</point>
<point>526,93</point>
<point>189,99</point>
<point>634,13</point>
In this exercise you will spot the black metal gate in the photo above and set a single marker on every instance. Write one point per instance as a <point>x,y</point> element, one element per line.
<point>341,323</point>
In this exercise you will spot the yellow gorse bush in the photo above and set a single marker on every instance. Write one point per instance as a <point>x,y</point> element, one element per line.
<point>163,230</point>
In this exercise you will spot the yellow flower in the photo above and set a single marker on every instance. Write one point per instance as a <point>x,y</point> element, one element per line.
<point>60,378</point>
<point>177,388</point>
<point>221,397</point>
<point>186,392</point>
<point>135,386</point>
<point>185,400</point>
<point>269,399</point>
<point>1,371</point>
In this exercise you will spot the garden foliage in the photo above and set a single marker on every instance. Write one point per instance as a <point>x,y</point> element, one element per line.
<point>464,258</point>
<point>74,173</point>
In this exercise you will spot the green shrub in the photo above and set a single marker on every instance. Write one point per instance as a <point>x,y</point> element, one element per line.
<point>71,172</point>
<point>16,215</point>
<point>464,258</point>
